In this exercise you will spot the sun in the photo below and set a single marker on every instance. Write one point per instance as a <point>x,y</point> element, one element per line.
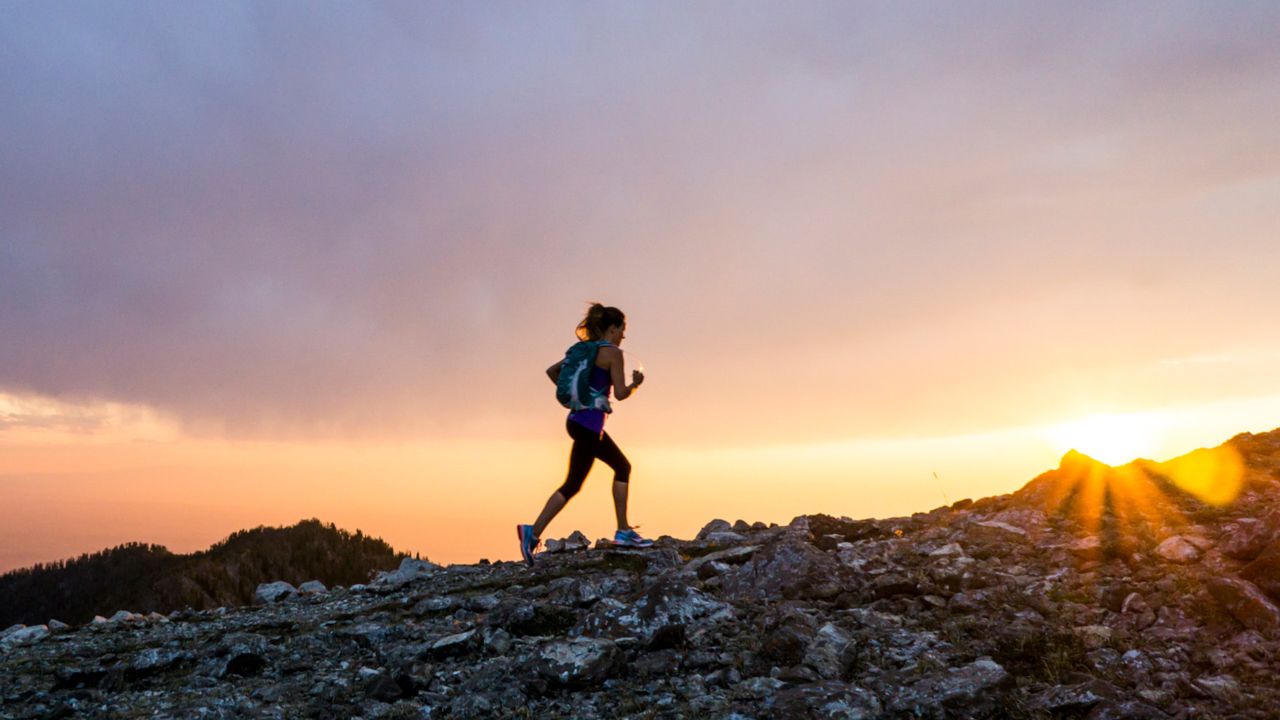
<point>1111,438</point>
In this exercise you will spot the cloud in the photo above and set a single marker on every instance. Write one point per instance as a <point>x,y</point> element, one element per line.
<point>383,220</point>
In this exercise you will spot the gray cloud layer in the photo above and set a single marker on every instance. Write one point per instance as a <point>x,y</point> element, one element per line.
<point>339,219</point>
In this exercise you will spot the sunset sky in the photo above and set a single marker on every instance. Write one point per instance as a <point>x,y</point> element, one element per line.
<point>267,261</point>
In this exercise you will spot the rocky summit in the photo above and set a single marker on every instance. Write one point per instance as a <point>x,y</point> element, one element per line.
<point>1145,591</point>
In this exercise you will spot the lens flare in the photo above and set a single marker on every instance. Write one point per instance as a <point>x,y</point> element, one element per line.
<point>1112,439</point>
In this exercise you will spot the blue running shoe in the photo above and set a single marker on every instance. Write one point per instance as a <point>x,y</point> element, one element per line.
<point>631,538</point>
<point>528,542</point>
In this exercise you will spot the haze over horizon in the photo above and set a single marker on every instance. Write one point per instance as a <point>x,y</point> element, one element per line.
<point>262,263</point>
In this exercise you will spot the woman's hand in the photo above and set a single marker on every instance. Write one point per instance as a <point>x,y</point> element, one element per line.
<point>637,377</point>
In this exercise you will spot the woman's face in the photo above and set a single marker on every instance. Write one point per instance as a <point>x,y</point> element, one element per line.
<point>615,333</point>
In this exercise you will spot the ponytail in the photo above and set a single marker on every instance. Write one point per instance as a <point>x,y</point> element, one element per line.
<point>599,318</point>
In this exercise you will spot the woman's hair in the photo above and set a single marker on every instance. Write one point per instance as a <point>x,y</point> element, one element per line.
<point>599,318</point>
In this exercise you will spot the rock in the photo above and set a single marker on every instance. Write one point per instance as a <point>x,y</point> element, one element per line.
<point>1220,687</point>
<point>667,602</point>
<point>948,550</point>
<point>1178,549</point>
<point>23,635</point>
<point>1125,710</point>
<point>1245,602</point>
<point>241,654</point>
<point>1135,607</point>
<point>786,644</point>
<point>1246,538</point>
<point>410,569</point>
<point>1264,570</point>
<point>1087,547</point>
<point>124,616</point>
<point>786,570</point>
<point>1093,636</point>
<point>454,645</point>
<point>575,542</point>
<point>962,691</point>
<point>1073,699</point>
<point>725,538</point>
<point>1003,530</point>
<point>830,700</point>
<point>758,687</point>
<point>380,686</point>
<point>729,556</point>
<point>57,626</point>
<point>312,587</point>
<point>438,604</point>
<point>521,617</point>
<point>580,661</point>
<point>891,584</point>
<point>831,653</point>
<point>714,526</point>
<point>273,592</point>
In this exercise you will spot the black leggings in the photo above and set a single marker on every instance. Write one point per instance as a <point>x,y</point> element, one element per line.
<point>587,446</point>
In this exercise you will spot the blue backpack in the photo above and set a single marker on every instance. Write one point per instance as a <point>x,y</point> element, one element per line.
<point>573,388</point>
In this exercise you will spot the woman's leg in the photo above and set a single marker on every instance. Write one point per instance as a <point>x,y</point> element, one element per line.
<point>609,453</point>
<point>583,454</point>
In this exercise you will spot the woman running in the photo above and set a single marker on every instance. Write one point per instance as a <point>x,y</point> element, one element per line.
<point>607,326</point>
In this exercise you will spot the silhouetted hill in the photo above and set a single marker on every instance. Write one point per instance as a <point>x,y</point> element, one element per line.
<point>145,578</point>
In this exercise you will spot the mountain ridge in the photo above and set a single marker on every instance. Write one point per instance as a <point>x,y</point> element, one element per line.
<point>1093,592</point>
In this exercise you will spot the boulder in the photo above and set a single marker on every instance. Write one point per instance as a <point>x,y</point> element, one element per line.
<point>410,569</point>
<point>25,635</point>
<point>272,592</point>
<point>831,653</point>
<point>1178,549</point>
<point>454,645</point>
<point>729,556</point>
<point>667,602</point>
<point>828,700</point>
<point>1245,538</point>
<point>312,587</point>
<point>786,570</point>
<point>1264,570</point>
<point>714,526</point>
<point>1245,602</point>
<point>577,662</point>
<point>955,692</point>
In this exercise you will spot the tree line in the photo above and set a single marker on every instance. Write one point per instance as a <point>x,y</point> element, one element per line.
<point>143,577</point>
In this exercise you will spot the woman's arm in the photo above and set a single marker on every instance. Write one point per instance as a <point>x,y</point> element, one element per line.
<point>553,372</point>
<point>612,357</point>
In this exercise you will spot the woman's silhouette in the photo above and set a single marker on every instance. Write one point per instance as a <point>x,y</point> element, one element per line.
<point>607,326</point>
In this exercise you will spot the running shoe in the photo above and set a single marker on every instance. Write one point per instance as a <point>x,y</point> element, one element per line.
<point>528,542</point>
<point>631,538</point>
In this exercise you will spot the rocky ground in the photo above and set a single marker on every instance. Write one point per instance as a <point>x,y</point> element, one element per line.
<point>1091,593</point>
